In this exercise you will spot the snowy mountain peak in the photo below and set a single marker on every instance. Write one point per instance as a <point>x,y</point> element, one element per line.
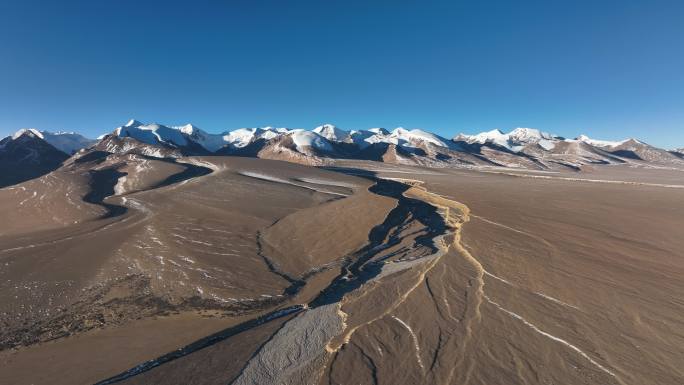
<point>494,136</point>
<point>529,135</point>
<point>520,137</point>
<point>133,123</point>
<point>403,136</point>
<point>304,138</point>
<point>243,136</point>
<point>27,131</point>
<point>323,127</point>
<point>632,143</point>
<point>151,133</point>
<point>331,132</point>
<point>240,138</point>
<point>188,129</point>
<point>515,140</point>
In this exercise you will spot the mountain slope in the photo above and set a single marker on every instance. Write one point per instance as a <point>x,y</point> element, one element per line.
<point>332,133</point>
<point>26,155</point>
<point>67,142</point>
<point>635,149</point>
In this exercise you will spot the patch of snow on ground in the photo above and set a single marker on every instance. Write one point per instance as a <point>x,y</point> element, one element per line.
<point>119,187</point>
<point>327,182</point>
<point>271,178</point>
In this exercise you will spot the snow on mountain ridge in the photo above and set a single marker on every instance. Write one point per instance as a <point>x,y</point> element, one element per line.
<point>304,138</point>
<point>151,133</point>
<point>210,142</point>
<point>515,140</point>
<point>187,129</point>
<point>23,131</point>
<point>332,133</point>
<point>409,138</point>
<point>494,136</point>
<point>243,136</point>
<point>600,143</point>
<point>365,138</point>
<point>529,135</point>
<point>133,123</point>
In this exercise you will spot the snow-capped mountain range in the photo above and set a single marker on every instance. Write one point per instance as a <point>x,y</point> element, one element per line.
<point>320,137</point>
<point>520,148</point>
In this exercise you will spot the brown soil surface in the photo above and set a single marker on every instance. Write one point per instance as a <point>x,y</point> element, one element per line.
<point>312,276</point>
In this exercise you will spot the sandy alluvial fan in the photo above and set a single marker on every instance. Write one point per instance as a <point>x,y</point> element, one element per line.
<point>170,255</point>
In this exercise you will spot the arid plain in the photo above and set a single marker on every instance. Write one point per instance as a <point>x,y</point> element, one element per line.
<point>215,270</point>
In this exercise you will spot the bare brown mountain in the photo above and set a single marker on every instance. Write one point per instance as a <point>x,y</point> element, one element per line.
<point>127,145</point>
<point>635,149</point>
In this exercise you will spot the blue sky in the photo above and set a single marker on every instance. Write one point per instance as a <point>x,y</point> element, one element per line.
<point>611,69</point>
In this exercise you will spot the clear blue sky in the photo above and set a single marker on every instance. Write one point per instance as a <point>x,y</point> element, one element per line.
<point>611,69</point>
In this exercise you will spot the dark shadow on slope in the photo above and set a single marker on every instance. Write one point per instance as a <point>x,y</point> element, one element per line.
<point>200,344</point>
<point>678,154</point>
<point>626,154</point>
<point>191,171</point>
<point>27,157</point>
<point>12,175</point>
<point>568,166</point>
<point>102,184</point>
<point>102,181</point>
<point>96,157</point>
